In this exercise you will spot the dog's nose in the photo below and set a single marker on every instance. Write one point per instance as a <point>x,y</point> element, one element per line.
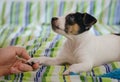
<point>54,19</point>
<point>54,22</point>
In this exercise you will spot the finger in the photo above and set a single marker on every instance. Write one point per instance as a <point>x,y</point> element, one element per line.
<point>21,59</point>
<point>35,66</point>
<point>14,70</point>
<point>22,52</point>
<point>17,63</point>
<point>25,67</point>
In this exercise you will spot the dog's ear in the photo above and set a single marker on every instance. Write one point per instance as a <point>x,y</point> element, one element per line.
<point>88,20</point>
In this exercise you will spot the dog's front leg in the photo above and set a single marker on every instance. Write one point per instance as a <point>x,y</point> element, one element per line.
<point>47,60</point>
<point>80,67</point>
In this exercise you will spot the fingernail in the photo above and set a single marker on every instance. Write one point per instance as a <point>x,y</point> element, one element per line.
<point>22,66</point>
<point>13,70</point>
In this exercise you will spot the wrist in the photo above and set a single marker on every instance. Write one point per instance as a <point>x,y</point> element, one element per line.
<point>1,51</point>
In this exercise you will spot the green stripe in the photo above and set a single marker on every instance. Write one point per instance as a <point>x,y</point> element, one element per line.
<point>2,22</point>
<point>85,6</point>
<point>64,8</point>
<point>21,13</point>
<point>60,74</point>
<point>80,6</point>
<point>27,76</point>
<point>115,65</point>
<point>48,14</point>
<point>10,78</point>
<point>55,8</point>
<point>96,26</point>
<point>44,79</point>
<point>108,28</point>
<point>102,30</point>
<point>4,37</point>
<point>14,13</point>
<point>91,79</point>
<point>38,53</point>
<point>30,12</point>
<point>113,6</point>
<point>68,6</point>
<point>38,11</point>
<point>77,7</point>
<point>97,71</point>
<point>82,78</point>
<point>18,40</point>
<point>51,71</point>
<point>102,12</point>
<point>95,6</point>
<point>106,80</point>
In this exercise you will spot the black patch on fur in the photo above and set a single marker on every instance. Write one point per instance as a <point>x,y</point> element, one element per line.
<point>116,34</point>
<point>84,20</point>
<point>31,64</point>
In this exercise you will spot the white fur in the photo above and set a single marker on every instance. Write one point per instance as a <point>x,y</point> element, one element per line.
<point>83,51</point>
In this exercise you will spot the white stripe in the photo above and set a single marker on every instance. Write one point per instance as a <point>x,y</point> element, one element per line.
<point>55,74</point>
<point>75,78</point>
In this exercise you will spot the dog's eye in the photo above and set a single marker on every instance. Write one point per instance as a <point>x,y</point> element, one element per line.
<point>71,31</point>
<point>70,20</point>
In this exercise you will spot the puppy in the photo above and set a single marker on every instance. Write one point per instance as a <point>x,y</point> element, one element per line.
<point>82,49</point>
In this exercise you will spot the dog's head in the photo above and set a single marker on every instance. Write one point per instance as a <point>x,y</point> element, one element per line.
<point>73,24</point>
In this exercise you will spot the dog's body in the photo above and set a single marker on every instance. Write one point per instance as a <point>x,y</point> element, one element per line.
<point>82,49</point>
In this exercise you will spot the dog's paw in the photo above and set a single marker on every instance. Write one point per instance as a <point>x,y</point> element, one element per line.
<point>33,61</point>
<point>73,69</point>
<point>67,72</point>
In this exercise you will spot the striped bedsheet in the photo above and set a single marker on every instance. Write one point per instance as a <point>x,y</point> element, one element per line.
<point>48,43</point>
<point>40,11</point>
<point>27,24</point>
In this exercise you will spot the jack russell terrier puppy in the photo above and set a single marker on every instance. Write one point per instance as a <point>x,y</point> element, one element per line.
<point>82,49</point>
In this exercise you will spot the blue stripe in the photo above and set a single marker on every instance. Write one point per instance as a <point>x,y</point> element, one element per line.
<point>117,12</point>
<point>11,12</point>
<point>17,12</point>
<point>64,71</point>
<point>93,74</point>
<point>82,6</point>
<point>94,79</point>
<point>100,79</point>
<point>39,74</point>
<point>52,7</point>
<point>27,14</point>
<point>91,7</point>
<point>13,40</point>
<point>107,68</point>
<point>96,32</point>
<point>109,12</point>
<point>61,8</point>
<point>21,77</point>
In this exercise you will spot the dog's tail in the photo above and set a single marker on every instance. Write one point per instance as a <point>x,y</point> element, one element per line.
<point>118,34</point>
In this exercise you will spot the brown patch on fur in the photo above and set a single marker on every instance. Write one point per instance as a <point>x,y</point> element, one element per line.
<point>73,29</point>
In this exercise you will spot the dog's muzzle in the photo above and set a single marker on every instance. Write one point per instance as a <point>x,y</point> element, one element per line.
<point>54,23</point>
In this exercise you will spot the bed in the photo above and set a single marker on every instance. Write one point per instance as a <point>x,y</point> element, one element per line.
<point>27,24</point>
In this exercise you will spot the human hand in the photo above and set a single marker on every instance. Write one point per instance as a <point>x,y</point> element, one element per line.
<point>9,64</point>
